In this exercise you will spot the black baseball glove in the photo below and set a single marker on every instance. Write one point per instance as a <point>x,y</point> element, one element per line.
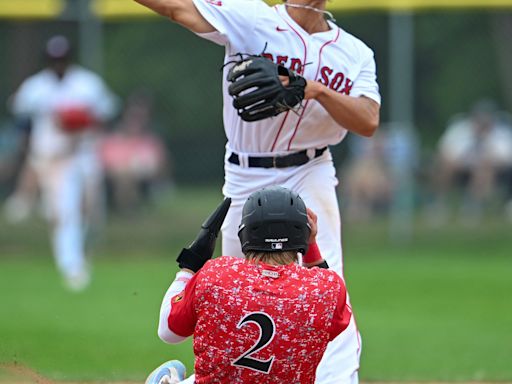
<point>202,248</point>
<point>257,90</point>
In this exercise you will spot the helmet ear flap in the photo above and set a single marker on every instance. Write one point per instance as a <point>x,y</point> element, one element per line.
<point>274,219</point>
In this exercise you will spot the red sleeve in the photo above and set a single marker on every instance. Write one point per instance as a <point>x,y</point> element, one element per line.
<point>182,318</point>
<point>342,313</point>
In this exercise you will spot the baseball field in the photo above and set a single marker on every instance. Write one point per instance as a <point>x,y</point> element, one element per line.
<point>435,308</point>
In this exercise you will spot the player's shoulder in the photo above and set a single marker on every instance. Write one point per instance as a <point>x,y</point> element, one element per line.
<point>39,78</point>
<point>222,262</point>
<point>239,5</point>
<point>316,274</point>
<point>355,43</point>
<point>256,3</point>
<point>220,269</point>
<point>83,73</point>
<point>251,3</point>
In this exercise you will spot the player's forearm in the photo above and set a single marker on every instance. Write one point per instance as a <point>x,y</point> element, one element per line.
<point>162,7</point>
<point>182,12</point>
<point>357,114</point>
<point>177,287</point>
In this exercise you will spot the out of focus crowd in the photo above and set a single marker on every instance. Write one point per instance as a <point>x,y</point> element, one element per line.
<point>466,176</point>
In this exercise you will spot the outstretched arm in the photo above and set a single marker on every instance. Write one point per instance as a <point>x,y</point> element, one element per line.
<point>357,114</point>
<point>183,12</point>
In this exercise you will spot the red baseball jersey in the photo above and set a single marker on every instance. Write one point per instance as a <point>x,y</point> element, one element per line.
<point>257,323</point>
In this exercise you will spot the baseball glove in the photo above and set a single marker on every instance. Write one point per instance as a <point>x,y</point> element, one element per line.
<point>257,89</point>
<point>74,119</point>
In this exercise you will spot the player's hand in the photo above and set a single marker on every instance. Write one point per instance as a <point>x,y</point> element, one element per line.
<point>201,250</point>
<point>312,221</point>
<point>313,89</point>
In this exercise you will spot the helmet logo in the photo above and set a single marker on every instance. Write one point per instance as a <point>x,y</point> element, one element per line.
<point>281,240</point>
<point>276,244</point>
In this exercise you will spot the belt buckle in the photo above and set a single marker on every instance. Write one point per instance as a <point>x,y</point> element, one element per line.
<point>279,162</point>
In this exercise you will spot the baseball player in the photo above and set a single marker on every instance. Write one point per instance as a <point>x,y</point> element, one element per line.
<point>291,149</point>
<point>264,318</point>
<point>66,104</point>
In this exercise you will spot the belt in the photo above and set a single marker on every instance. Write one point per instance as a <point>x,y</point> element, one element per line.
<point>291,160</point>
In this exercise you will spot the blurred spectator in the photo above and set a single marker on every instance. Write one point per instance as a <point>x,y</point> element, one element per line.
<point>380,174</point>
<point>474,160</point>
<point>134,158</point>
<point>66,104</point>
<point>368,185</point>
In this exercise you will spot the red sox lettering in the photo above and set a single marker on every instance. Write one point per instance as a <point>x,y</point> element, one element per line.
<point>337,81</point>
<point>295,63</point>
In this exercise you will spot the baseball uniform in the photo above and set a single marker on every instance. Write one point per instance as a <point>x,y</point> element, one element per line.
<point>62,152</point>
<point>253,322</point>
<point>338,60</point>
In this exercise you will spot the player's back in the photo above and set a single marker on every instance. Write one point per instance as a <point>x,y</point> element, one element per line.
<point>262,323</point>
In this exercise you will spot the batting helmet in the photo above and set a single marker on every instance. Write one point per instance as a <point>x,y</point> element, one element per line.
<point>274,219</point>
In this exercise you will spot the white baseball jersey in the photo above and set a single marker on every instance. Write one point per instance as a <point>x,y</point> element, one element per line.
<point>40,97</point>
<point>336,59</point>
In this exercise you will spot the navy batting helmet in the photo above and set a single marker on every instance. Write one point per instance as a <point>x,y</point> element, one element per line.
<point>274,219</point>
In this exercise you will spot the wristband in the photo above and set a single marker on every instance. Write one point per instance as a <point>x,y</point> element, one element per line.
<point>313,255</point>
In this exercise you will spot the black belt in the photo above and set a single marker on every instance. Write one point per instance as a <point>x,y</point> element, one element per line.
<point>291,160</point>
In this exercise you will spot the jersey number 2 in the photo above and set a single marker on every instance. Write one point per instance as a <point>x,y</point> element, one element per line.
<point>267,331</point>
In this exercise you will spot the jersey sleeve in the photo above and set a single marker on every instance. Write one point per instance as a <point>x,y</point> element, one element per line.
<point>27,99</point>
<point>366,82</point>
<point>177,315</point>
<point>233,19</point>
<point>342,313</point>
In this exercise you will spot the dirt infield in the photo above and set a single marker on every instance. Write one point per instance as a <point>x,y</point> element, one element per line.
<point>19,374</point>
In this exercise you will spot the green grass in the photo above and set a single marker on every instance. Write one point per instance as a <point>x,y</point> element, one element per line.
<point>437,307</point>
